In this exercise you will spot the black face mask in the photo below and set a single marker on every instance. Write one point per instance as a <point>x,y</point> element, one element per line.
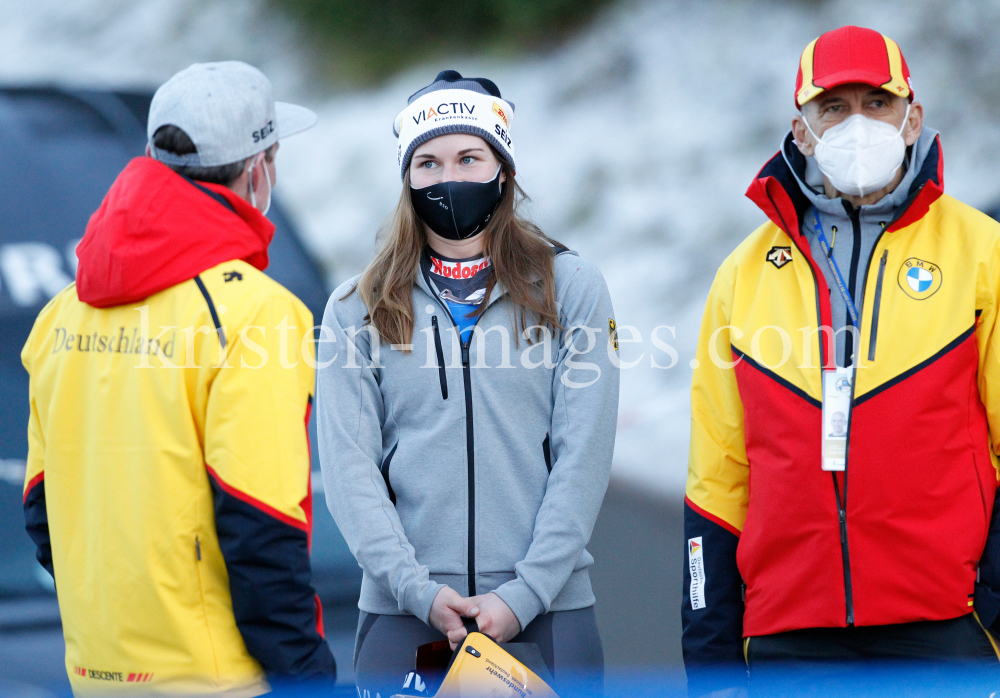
<point>457,210</point>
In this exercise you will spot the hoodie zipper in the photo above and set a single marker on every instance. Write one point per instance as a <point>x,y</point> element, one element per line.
<point>439,350</point>
<point>878,302</point>
<point>470,444</point>
<point>471,457</point>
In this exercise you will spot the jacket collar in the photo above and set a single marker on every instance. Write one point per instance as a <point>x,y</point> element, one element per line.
<point>499,290</point>
<point>425,285</point>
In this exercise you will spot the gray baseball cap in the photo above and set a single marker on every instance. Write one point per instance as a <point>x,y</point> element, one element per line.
<point>228,111</point>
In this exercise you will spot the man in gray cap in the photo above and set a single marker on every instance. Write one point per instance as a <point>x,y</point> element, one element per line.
<point>174,507</point>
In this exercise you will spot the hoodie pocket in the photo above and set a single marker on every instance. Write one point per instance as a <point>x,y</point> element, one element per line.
<point>385,473</point>
<point>439,350</point>
<point>547,452</point>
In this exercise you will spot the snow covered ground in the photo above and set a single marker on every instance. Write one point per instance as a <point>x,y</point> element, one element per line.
<point>636,140</point>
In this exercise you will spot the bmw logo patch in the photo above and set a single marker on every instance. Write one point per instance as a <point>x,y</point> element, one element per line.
<point>919,278</point>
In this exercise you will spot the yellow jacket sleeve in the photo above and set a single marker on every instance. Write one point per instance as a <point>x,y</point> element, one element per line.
<point>716,502</point>
<point>256,442</point>
<point>718,470</point>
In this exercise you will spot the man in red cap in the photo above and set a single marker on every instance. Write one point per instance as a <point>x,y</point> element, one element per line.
<point>872,295</point>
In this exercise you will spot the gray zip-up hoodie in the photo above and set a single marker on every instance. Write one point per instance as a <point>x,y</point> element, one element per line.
<point>480,467</point>
<point>852,232</point>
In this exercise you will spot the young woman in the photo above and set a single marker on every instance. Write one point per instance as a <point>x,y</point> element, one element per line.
<point>467,401</point>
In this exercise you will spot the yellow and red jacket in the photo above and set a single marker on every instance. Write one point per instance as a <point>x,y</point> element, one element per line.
<point>922,468</point>
<point>168,483</point>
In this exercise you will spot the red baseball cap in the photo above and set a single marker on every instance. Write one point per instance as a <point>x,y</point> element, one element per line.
<point>851,54</point>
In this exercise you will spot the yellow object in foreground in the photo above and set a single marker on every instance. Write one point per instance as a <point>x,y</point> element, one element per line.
<point>481,667</point>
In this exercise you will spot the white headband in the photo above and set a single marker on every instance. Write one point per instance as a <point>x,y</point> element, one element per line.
<point>454,111</point>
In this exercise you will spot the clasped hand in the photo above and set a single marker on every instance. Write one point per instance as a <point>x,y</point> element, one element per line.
<point>493,616</point>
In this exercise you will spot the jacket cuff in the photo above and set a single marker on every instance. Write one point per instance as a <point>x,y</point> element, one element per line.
<point>521,599</point>
<point>419,599</point>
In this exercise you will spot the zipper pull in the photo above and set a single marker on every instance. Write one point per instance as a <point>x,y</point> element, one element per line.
<point>197,548</point>
<point>465,354</point>
<point>843,516</point>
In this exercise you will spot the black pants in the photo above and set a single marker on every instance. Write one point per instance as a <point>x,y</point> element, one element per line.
<point>924,658</point>
<point>569,642</point>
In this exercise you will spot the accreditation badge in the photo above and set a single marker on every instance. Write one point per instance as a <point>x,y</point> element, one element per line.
<point>836,416</point>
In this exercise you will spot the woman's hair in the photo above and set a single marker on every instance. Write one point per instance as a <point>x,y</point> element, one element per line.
<point>520,254</point>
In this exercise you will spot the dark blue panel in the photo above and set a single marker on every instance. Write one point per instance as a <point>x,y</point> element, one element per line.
<point>36,521</point>
<point>987,599</point>
<point>269,580</point>
<point>713,636</point>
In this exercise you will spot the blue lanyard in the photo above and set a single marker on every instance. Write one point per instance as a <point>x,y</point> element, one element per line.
<point>841,284</point>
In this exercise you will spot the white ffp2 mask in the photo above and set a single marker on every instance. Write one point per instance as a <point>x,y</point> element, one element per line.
<point>270,187</point>
<point>860,155</point>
